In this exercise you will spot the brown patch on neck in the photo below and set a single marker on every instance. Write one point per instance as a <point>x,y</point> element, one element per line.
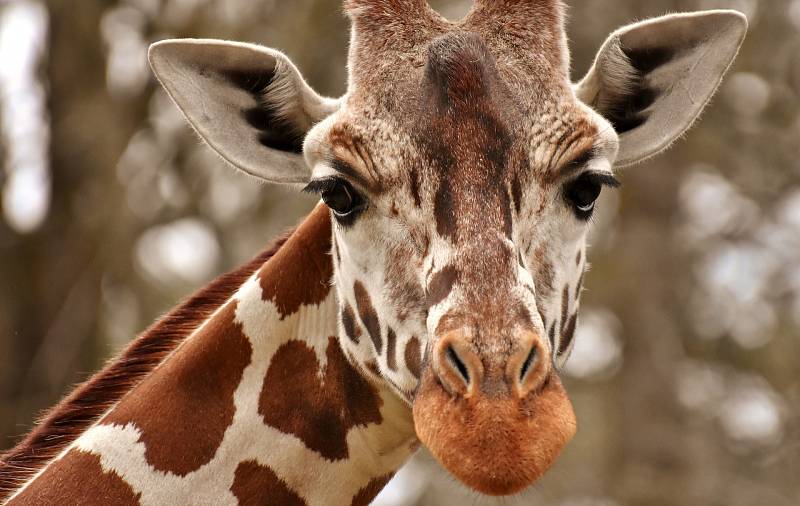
<point>89,401</point>
<point>370,491</point>
<point>255,485</point>
<point>320,409</point>
<point>309,266</point>
<point>78,478</point>
<point>185,406</point>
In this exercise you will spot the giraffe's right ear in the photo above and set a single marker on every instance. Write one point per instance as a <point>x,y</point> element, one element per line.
<point>652,79</point>
<point>249,103</point>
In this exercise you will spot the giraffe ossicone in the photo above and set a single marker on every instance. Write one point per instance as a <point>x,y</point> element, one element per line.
<point>458,175</point>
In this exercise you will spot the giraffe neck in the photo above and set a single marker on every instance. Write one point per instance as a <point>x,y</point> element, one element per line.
<point>258,404</point>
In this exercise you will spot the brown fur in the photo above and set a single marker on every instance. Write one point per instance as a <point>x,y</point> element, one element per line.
<point>314,241</point>
<point>191,391</point>
<point>90,486</point>
<point>318,410</point>
<point>254,482</point>
<point>90,400</point>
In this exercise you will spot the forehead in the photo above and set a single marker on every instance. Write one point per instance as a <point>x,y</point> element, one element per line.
<point>455,102</point>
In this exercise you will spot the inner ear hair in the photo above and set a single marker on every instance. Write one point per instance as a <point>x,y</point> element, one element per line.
<point>274,114</point>
<point>651,80</point>
<point>626,93</point>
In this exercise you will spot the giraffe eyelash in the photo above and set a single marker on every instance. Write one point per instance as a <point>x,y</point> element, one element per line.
<point>320,186</point>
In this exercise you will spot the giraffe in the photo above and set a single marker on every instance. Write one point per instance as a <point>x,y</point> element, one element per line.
<point>430,298</point>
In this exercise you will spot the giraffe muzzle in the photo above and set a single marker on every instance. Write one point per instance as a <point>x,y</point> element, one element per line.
<point>496,421</point>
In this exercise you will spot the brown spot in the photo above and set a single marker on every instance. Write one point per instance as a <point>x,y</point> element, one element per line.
<point>568,334</point>
<point>414,187</point>
<point>351,328</point>
<point>580,286</point>
<point>579,257</point>
<point>308,266</point>
<point>516,193</point>
<point>78,479</point>
<point>365,496</point>
<point>552,335</point>
<point>318,409</point>
<point>564,306</point>
<point>441,285</point>
<point>391,342</point>
<point>194,389</point>
<point>412,356</point>
<point>366,311</point>
<point>255,484</point>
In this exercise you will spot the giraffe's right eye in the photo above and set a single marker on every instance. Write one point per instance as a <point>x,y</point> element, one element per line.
<point>340,197</point>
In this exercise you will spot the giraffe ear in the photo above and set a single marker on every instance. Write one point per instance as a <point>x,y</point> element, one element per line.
<point>249,103</point>
<point>652,79</point>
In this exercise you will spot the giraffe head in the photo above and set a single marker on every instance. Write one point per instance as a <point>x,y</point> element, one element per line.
<point>462,169</point>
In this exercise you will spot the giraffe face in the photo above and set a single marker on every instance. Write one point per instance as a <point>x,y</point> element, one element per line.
<point>461,169</point>
<point>459,249</point>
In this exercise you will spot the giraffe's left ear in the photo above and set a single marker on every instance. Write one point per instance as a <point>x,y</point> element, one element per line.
<point>249,103</point>
<point>652,79</point>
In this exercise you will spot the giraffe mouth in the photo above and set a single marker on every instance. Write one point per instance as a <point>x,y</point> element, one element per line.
<point>495,445</point>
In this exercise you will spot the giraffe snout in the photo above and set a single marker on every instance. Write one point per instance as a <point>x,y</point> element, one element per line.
<point>464,371</point>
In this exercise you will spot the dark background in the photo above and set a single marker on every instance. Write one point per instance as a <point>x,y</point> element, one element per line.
<point>686,375</point>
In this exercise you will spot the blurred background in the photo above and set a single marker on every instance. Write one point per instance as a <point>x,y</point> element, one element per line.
<point>686,372</point>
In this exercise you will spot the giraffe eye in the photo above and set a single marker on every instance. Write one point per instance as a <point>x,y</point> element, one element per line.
<point>582,193</point>
<point>340,197</point>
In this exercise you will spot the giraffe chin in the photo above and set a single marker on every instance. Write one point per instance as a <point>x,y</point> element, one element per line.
<point>495,445</point>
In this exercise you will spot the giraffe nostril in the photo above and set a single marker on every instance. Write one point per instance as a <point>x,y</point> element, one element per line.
<point>459,364</point>
<point>526,366</point>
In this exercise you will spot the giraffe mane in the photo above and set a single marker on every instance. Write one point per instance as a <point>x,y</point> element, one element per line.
<point>90,400</point>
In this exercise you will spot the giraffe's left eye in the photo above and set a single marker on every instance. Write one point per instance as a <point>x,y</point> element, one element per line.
<point>582,193</point>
